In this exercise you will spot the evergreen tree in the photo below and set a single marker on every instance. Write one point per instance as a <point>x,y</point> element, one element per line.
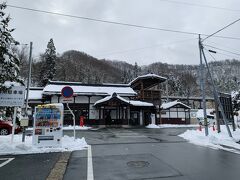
<point>135,70</point>
<point>48,67</point>
<point>9,62</point>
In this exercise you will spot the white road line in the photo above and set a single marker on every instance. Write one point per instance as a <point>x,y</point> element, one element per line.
<point>8,160</point>
<point>90,165</point>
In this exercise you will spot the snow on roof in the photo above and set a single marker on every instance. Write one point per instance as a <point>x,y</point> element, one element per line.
<point>173,103</point>
<point>140,103</point>
<point>148,76</point>
<point>110,97</point>
<point>131,102</point>
<point>91,89</point>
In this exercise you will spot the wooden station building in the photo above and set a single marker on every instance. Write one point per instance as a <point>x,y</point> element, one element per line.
<point>106,104</point>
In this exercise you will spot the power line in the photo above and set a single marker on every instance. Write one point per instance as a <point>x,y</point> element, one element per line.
<point>227,55</point>
<point>103,21</point>
<point>221,29</point>
<point>238,54</point>
<point>201,5</point>
<point>147,47</point>
<point>117,23</point>
<point>223,46</point>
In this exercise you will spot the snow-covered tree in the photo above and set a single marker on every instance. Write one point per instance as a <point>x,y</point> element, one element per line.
<point>48,69</point>
<point>9,62</point>
<point>236,100</point>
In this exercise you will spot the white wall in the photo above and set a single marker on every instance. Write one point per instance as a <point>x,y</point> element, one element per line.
<point>81,99</point>
<point>54,99</point>
<point>94,113</point>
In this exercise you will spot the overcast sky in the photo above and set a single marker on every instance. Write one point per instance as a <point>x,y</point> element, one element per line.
<point>124,43</point>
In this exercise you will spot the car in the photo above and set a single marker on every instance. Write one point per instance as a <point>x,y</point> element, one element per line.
<point>6,128</point>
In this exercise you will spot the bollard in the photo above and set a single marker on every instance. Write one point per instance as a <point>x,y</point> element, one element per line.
<point>213,127</point>
<point>81,121</point>
<point>200,126</point>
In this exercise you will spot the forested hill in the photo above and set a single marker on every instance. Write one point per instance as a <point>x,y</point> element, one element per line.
<point>183,79</point>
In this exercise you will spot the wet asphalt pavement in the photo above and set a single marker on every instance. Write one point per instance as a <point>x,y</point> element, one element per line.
<point>131,154</point>
<point>150,154</point>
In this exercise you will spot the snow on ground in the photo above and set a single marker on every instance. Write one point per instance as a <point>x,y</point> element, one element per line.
<point>17,147</point>
<point>153,126</point>
<point>69,128</point>
<point>214,140</point>
<point>76,127</point>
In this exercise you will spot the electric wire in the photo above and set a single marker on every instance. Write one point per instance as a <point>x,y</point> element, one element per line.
<point>201,5</point>
<point>227,55</point>
<point>221,29</point>
<point>117,23</point>
<point>238,54</point>
<point>223,46</point>
<point>143,48</point>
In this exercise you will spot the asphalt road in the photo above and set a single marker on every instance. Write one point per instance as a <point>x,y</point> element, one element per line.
<point>122,154</point>
<point>152,154</point>
<point>28,167</point>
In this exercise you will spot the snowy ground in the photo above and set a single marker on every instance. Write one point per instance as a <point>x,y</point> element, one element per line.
<point>76,127</point>
<point>68,144</point>
<point>214,140</point>
<point>153,126</point>
<point>69,128</point>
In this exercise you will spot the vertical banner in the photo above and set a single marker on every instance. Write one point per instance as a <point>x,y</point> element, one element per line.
<point>48,125</point>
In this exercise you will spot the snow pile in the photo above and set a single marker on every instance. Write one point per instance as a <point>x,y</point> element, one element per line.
<point>162,126</point>
<point>68,128</point>
<point>68,144</point>
<point>214,140</point>
<point>152,126</point>
<point>178,125</point>
<point>76,127</point>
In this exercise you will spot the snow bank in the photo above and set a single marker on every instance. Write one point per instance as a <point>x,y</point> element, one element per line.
<point>178,125</point>
<point>171,126</point>
<point>152,126</point>
<point>76,127</point>
<point>214,140</point>
<point>68,144</point>
<point>69,128</point>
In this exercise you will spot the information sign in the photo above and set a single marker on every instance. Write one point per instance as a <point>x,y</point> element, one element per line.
<point>14,97</point>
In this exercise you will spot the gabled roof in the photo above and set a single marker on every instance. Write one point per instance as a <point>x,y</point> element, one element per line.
<point>148,81</point>
<point>173,104</point>
<point>55,87</point>
<point>113,97</point>
<point>116,97</point>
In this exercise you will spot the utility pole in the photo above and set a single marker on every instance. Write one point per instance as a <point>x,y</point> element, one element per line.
<point>28,85</point>
<point>216,96</point>
<point>202,84</point>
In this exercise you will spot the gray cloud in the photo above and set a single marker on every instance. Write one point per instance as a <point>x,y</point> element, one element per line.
<point>107,40</point>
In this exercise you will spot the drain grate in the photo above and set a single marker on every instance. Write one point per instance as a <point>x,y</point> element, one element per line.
<point>138,164</point>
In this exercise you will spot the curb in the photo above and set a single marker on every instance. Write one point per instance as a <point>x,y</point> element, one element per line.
<point>59,168</point>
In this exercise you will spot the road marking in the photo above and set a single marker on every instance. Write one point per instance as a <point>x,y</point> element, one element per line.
<point>90,165</point>
<point>8,160</point>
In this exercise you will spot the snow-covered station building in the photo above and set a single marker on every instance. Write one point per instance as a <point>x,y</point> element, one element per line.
<point>106,104</point>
